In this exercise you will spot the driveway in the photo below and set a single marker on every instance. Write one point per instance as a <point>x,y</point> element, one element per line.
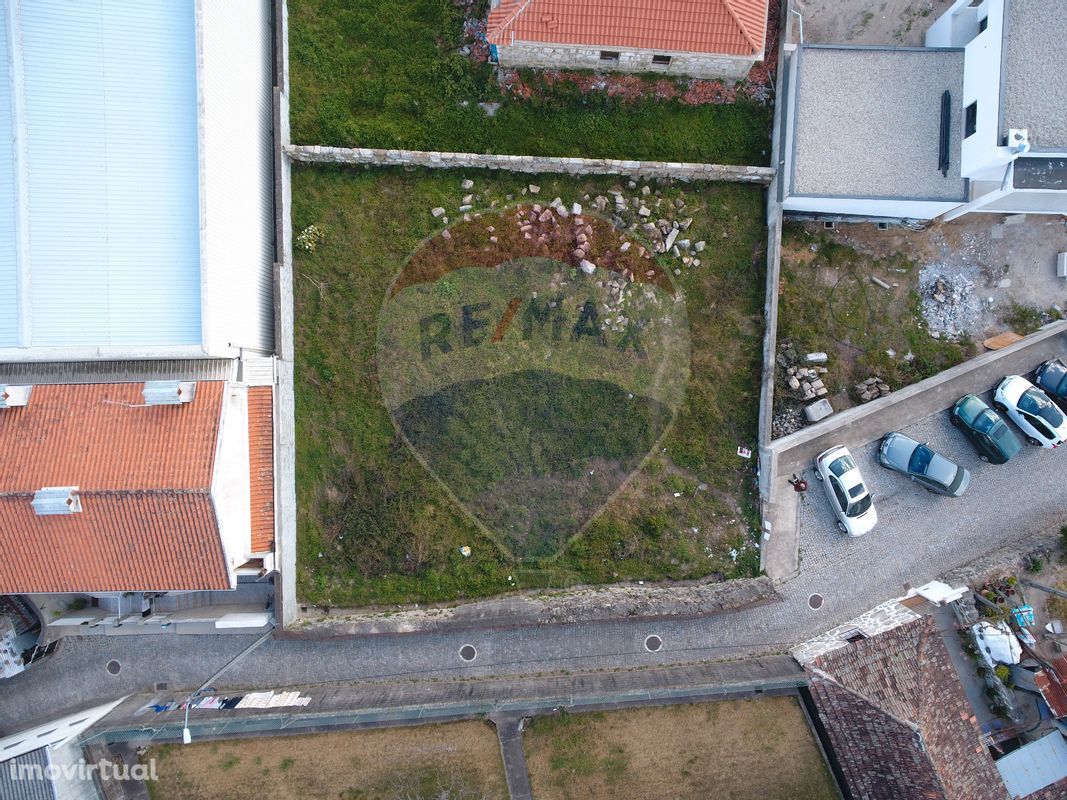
<point>920,533</point>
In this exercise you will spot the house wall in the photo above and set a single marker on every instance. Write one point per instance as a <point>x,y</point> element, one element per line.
<point>230,484</point>
<point>558,56</point>
<point>982,157</point>
<point>869,207</point>
<point>236,96</point>
<point>1029,201</point>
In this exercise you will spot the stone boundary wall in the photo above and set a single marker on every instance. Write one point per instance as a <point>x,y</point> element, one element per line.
<point>546,607</point>
<point>685,171</point>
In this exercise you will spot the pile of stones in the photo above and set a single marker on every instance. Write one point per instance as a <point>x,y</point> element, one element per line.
<point>789,421</point>
<point>871,389</point>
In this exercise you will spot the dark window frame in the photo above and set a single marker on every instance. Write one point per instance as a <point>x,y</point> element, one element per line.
<point>610,55</point>
<point>661,61</point>
<point>970,120</point>
<point>983,24</point>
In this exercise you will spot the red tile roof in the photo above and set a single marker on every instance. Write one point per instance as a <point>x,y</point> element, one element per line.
<point>900,724</point>
<point>121,541</point>
<point>144,475</point>
<point>261,463</point>
<point>732,27</point>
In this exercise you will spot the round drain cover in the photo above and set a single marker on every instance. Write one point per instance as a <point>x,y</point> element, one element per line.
<point>114,667</point>
<point>653,643</point>
<point>468,652</point>
<point>815,601</point>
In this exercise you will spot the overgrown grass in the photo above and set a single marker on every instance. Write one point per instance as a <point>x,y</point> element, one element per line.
<point>387,73</point>
<point>829,303</point>
<point>374,527</point>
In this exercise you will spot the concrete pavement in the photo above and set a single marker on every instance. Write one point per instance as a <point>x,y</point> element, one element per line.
<point>509,731</point>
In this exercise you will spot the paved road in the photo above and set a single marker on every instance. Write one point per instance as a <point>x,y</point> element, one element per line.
<point>920,537</point>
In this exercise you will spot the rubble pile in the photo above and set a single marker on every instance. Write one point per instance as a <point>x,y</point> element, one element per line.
<point>950,304</point>
<point>789,421</point>
<point>871,389</point>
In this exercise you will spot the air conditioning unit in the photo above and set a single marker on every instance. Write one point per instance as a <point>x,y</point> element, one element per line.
<point>168,393</point>
<point>1018,140</point>
<point>14,396</point>
<point>55,500</point>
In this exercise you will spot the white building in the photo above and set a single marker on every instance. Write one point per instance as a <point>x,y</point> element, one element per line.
<point>136,179</point>
<point>974,121</point>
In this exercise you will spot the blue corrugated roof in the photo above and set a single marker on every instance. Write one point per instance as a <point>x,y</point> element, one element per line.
<point>8,263</point>
<point>112,173</point>
<point>1034,766</point>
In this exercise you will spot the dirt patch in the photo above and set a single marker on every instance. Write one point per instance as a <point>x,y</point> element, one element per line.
<point>462,759</point>
<point>731,749</point>
<point>896,22</point>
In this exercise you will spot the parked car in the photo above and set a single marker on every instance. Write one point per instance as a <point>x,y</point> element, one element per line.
<point>929,469</point>
<point>849,497</point>
<point>1032,410</point>
<point>1051,378</point>
<point>986,429</point>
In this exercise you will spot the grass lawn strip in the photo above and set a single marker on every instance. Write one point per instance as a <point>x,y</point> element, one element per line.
<point>734,750</point>
<point>462,758</point>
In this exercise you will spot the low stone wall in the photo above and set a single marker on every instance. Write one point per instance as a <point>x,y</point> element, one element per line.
<point>319,154</point>
<point>594,604</point>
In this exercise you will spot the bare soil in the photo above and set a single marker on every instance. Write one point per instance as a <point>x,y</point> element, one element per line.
<point>732,749</point>
<point>388,764</point>
<point>870,22</point>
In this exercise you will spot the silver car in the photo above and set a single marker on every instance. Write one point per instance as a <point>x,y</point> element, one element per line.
<point>927,468</point>
<point>851,501</point>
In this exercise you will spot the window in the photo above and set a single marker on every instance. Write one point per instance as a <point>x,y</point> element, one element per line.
<point>839,493</point>
<point>983,23</point>
<point>970,124</point>
<point>609,55</point>
<point>661,61</point>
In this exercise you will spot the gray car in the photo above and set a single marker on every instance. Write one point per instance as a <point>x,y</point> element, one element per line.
<point>927,468</point>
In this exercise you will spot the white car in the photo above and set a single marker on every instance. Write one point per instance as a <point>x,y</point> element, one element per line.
<point>849,496</point>
<point>1032,410</point>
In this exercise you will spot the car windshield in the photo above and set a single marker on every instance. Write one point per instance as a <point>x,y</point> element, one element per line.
<point>860,507</point>
<point>920,460</point>
<point>1037,403</point>
<point>985,421</point>
<point>839,466</point>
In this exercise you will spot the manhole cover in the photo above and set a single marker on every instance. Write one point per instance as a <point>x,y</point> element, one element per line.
<point>653,643</point>
<point>815,601</point>
<point>114,667</point>
<point>468,652</point>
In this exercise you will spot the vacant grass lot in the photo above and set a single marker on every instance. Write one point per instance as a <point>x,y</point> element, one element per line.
<point>374,527</point>
<point>731,750</point>
<point>456,760</point>
<point>387,73</point>
<point>828,303</point>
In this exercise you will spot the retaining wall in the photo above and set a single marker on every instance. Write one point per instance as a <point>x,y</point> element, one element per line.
<point>319,154</point>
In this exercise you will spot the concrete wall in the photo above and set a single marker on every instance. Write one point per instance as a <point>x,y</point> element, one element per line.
<point>869,207</point>
<point>561,56</point>
<point>530,164</point>
<point>230,485</point>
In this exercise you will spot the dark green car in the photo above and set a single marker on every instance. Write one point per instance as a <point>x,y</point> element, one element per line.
<point>987,430</point>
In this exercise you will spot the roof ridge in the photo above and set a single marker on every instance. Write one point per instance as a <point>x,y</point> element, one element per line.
<point>728,5</point>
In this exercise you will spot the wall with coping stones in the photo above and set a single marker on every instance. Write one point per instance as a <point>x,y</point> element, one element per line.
<point>561,56</point>
<point>319,154</point>
<point>879,619</point>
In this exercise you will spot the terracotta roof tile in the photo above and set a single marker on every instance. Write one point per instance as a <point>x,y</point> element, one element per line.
<point>261,463</point>
<point>121,541</point>
<point>144,475</point>
<point>733,27</point>
<point>101,436</point>
<point>895,700</point>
